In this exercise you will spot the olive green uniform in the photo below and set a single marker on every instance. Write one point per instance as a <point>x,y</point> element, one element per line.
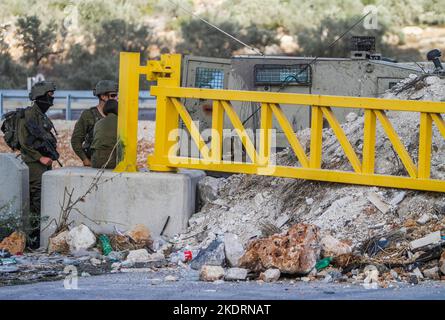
<point>83,127</point>
<point>104,140</point>
<point>31,158</point>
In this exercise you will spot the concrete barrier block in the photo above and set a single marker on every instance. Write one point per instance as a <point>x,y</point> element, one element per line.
<point>121,199</point>
<point>14,192</point>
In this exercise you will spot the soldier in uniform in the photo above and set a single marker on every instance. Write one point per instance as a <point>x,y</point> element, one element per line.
<point>83,130</point>
<point>105,138</point>
<point>38,149</point>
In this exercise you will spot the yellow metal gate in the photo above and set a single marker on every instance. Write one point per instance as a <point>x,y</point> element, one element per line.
<point>169,110</point>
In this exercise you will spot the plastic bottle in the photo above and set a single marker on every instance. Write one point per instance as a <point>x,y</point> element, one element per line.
<point>106,246</point>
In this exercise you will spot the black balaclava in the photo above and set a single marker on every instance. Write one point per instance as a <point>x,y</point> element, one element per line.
<point>111,106</point>
<point>45,102</point>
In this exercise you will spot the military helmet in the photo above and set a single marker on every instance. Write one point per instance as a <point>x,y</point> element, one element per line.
<point>40,89</point>
<point>104,86</point>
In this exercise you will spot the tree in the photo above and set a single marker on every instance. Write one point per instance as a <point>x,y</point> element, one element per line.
<point>204,40</point>
<point>12,75</point>
<point>36,41</point>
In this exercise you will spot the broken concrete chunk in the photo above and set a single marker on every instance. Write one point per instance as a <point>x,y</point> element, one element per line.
<point>59,243</point>
<point>295,252</point>
<point>432,273</point>
<point>208,188</point>
<point>424,219</point>
<point>331,247</point>
<point>233,249</point>
<point>157,256</point>
<point>427,240</point>
<point>378,203</point>
<point>81,238</point>
<point>211,273</point>
<point>140,256</point>
<point>15,243</point>
<point>270,275</point>
<point>236,274</point>
<point>397,198</point>
<point>170,279</point>
<point>213,255</point>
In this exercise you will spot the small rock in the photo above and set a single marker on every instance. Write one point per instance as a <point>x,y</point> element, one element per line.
<point>270,275</point>
<point>394,275</point>
<point>412,279</point>
<point>15,243</point>
<point>157,256</point>
<point>59,243</point>
<point>213,255</point>
<point>305,279</point>
<point>85,274</point>
<point>127,264</point>
<point>233,249</point>
<point>9,269</point>
<point>372,274</point>
<point>115,256</point>
<point>211,273</point>
<point>80,238</point>
<point>236,274</point>
<point>140,255</point>
<point>328,279</point>
<point>432,273</point>
<point>95,262</point>
<point>309,201</point>
<point>424,219</point>
<point>351,117</point>
<point>170,279</point>
<point>332,247</point>
<point>208,189</point>
<point>417,273</point>
<point>116,265</point>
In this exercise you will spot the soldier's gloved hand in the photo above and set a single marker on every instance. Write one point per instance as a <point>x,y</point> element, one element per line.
<point>46,161</point>
<point>87,162</point>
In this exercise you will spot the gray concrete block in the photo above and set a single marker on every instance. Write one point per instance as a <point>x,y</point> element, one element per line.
<point>121,199</point>
<point>14,191</point>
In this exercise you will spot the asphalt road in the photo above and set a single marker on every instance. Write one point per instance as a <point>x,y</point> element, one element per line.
<point>151,286</point>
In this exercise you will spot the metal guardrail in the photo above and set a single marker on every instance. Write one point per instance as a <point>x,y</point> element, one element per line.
<point>69,98</point>
<point>170,110</point>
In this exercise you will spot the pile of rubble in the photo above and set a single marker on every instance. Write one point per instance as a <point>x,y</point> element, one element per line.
<point>89,253</point>
<point>375,227</point>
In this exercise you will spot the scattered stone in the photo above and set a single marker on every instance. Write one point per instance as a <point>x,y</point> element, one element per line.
<point>211,273</point>
<point>394,275</point>
<point>59,243</point>
<point>378,203</point>
<point>170,278</point>
<point>9,269</point>
<point>157,256</point>
<point>331,247</point>
<point>115,256</point>
<point>397,198</point>
<point>412,279</point>
<point>424,219</point>
<point>141,236</point>
<point>208,189</point>
<point>136,256</point>
<point>233,249</point>
<point>305,279</point>
<point>372,277</point>
<point>309,201</point>
<point>432,273</point>
<point>295,252</point>
<point>80,238</point>
<point>15,243</point>
<point>116,265</point>
<point>328,279</point>
<point>95,262</point>
<point>213,255</point>
<point>85,274</point>
<point>127,264</point>
<point>70,262</point>
<point>417,273</point>
<point>270,275</point>
<point>432,238</point>
<point>351,117</point>
<point>236,274</point>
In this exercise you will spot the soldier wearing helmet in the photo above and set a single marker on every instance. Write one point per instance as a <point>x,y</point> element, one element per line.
<point>38,147</point>
<point>82,137</point>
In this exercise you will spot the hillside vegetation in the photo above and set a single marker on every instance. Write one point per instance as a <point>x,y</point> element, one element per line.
<point>76,43</point>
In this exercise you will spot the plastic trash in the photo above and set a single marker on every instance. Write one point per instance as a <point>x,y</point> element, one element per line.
<point>323,263</point>
<point>106,246</point>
